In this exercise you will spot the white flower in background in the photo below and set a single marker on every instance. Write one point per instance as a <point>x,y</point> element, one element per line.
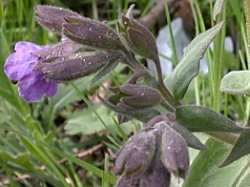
<point>163,43</point>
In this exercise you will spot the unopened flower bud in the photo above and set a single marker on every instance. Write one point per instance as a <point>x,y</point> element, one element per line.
<point>52,17</point>
<point>138,37</point>
<point>136,155</point>
<point>128,181</point>
<point>64,48</point>
<point>156,176</point>
<point>139,96</point>
<point>131,100</point>
<point>174,152</point>
<point>69,69</point>
<point>168,119</point>
<point>92,33</point>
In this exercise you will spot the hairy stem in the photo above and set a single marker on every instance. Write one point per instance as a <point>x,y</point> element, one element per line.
<point>137,67</point>
<point>162,87</point>
<point>247,15</point>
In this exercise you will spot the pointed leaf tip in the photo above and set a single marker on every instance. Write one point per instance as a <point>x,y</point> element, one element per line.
<point>240,149</point>
<point>188,67</point>
<point>202,119</point>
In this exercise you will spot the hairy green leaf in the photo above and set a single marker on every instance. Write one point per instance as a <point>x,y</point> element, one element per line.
<point>188,67</point>
<point>86,122</point>
<point>202,119</point>
<point>240,148</point>
<point>236,82</point>
<point>218,7</point>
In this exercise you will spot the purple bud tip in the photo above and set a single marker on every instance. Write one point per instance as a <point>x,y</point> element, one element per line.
<point>136,156</point>
<point>138,37</point>
<point>52,17</point>
<point>128,181</point>
<point>20,66</point>
<point>174,152</point>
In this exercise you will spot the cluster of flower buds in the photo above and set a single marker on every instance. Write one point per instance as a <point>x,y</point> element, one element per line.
<point>131,98</point>
<point>150,156</point>
<point>87,46</point>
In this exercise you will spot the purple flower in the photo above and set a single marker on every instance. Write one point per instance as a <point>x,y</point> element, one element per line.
<point>20,66</point>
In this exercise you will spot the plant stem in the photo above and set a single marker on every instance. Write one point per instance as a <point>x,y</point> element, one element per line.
<point>246,39</point>
<point>162,87</point>
<point>196,80</point>
<point>172,40</point>
<point>247,16</point>
<point>217,70</point>
<point>137,67</point>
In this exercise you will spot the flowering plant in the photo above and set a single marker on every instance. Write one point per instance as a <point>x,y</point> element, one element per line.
<point>160,148</point>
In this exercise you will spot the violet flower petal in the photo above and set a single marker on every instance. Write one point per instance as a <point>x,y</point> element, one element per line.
<point>15,69</point>
<point>20,66</point>
<point>20,63</point>
<point>34,86</point>
<point>26,47</point>
<point>52,89</point>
